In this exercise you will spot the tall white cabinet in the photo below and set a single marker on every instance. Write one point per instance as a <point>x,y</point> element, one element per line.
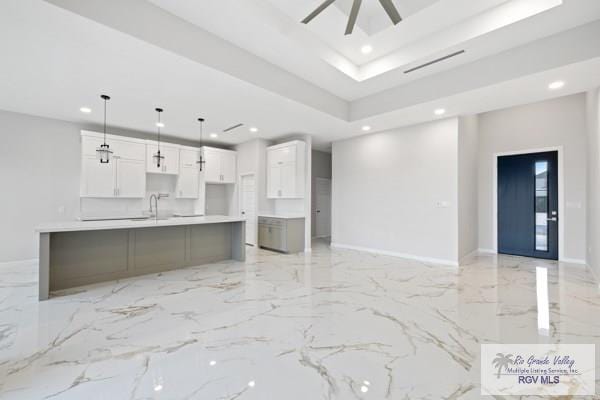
<point>124,176</point>
<point>189,179</point>
<point>286,170</point>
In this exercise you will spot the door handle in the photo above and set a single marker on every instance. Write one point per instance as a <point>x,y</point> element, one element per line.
<point>553,219</point>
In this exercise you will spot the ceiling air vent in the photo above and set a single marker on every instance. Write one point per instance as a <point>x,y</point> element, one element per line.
<point>233,127</point>
<point>437,60</point>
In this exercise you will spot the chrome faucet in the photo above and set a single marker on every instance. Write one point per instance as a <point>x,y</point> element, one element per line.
<point>156,198</point>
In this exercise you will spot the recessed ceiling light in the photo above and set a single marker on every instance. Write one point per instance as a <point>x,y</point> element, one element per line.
<point>160,124</point>
<point>366,49</point>
<point>253,129</point>
<point>251,384</point>
<point>158,388</point>
<point>86,110</point>
<point>440,111</point>
<point>214,135</point>
<point>556,85</point>
<point>366,128</point>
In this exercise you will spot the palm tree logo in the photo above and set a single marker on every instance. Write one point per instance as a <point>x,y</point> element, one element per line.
<point>502,361</point>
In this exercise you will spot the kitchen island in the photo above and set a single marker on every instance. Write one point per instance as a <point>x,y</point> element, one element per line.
<point>78,253</point>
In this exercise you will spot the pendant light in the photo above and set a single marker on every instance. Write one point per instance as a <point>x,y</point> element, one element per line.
<point>104,152</point>
<point>201,162</point>
<point>158,158</point>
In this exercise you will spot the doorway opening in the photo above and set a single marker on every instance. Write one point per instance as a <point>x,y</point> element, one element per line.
<point>248,206</point>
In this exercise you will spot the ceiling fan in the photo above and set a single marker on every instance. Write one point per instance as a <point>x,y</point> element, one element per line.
<point>387,5</point>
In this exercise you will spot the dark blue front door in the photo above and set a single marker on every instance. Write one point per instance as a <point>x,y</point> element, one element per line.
<point>528,205</point>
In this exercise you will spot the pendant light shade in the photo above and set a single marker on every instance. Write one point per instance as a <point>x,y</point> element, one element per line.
<point>201,162</point>
<point>104,153</point>
<point>158,158</point>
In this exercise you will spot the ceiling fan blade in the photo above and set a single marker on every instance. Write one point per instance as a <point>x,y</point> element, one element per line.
<point>317,11</point>
<point>391,11</point>
<point>353,15</point>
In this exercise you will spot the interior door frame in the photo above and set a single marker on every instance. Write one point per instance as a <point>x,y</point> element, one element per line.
<point>240,201</point>
<point>561,194</point>
<point>330,206</point>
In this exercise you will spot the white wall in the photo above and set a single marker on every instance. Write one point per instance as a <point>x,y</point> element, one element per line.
<point>321,168</point>
<point>468,218</point>
<point>39,171</point>
<point>557,122</point>
<point>386,190</point>
<point>593,182</point>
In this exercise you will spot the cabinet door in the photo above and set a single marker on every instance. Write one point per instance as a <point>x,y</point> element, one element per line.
<point>277,240</point>
<point>129,150</point>
<point>188,183</point>
<point>212,167</point>
<point>228,167</point>
<point>265,238</point>
<point>170,163</point>
<point>274,182</point>
<point>151,149</point>
<point>131,178</point>
<point>288,180</point>
<point>171,160</point>
<point>189,158</point>
<point>97,180</point>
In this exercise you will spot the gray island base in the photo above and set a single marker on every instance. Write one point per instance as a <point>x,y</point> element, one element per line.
<point>80,253</point>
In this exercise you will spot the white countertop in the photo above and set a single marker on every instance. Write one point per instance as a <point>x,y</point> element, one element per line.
<point>74,226</point>
<point>282,216</point>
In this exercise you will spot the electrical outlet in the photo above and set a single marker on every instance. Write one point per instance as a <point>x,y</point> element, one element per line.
<point>61,210</point>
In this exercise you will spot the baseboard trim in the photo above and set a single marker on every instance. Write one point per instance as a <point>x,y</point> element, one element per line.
<point>7,264</point>
<point>487,251</point>
<point>469,255</point>
<point>572,261</point>
<point>395,254</point>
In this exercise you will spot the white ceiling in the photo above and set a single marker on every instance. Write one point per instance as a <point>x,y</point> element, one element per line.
<point>57,59</point>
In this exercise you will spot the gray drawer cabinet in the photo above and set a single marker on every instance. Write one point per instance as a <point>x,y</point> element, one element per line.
<point>281,234</point>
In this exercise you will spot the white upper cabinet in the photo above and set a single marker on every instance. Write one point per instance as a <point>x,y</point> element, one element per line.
<point>124,176</point>
<point>170,163</point>
<point>286,170</point>
<point>188,181</point>
<point>220,165</point>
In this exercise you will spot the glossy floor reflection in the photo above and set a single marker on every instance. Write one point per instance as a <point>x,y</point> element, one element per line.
<point>335,324</point>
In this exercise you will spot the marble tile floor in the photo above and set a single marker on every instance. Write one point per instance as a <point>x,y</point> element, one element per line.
<point>334,324</point>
